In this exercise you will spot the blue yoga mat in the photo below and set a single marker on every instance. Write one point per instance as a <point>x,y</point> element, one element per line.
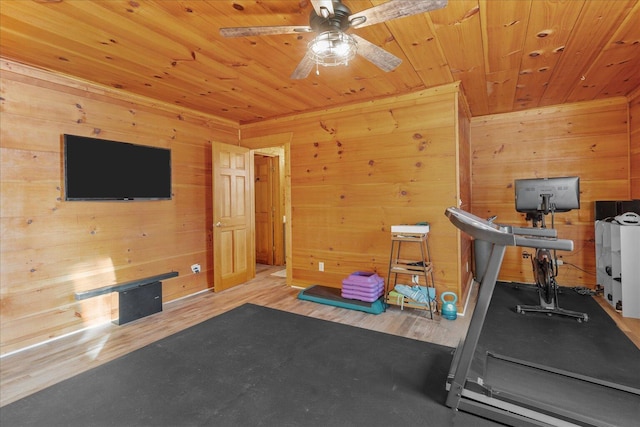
<point>332,296</point>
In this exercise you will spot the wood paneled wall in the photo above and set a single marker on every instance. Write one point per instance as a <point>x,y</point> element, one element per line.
<point>51,248</point>
<point>357,170</point>
<point>588,139</point>
<point>353,172</point>
<point>634,141</point>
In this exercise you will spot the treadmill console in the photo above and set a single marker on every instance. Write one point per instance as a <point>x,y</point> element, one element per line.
<point>480,228</point>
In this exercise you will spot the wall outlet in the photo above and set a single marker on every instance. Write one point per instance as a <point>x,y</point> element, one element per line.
<point>321,266</point>
<point>195,268</point>
<point>559,262</point>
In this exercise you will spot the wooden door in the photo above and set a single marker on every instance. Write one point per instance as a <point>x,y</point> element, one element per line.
<point>233,253</point>
<point>263,186</point>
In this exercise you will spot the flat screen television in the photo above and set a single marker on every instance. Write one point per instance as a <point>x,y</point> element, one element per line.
<point>99,169</point>
<point>544,195</point>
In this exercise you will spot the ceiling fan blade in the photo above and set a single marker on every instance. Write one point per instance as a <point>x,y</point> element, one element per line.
<point>263,31</point>
<point>379,57</point>
<point>304,68</point>
<point>323,8</point>
<point>393,9</point>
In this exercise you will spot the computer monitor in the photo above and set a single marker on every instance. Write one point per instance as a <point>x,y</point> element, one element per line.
<point>544,195</point>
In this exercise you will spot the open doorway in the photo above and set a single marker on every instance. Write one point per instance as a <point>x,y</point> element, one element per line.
<point>269,193</point>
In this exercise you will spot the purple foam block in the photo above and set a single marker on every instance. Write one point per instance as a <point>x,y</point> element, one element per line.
<point>364,280</point>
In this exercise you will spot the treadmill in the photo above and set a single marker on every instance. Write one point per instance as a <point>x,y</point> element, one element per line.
<point>517,392</point>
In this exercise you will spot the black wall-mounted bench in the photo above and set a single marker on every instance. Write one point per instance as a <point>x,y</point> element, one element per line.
<point>137,298</point>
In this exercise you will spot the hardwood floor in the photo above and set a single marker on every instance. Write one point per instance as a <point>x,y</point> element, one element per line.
<point>28,371</point>
<point>628,325</point>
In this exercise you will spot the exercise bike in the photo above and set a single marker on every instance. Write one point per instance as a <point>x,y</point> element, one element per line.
<point>545,267</point>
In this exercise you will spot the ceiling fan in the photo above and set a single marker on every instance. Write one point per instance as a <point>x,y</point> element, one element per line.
<point>333,46</point>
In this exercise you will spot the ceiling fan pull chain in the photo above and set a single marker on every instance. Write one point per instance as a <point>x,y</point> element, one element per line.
<point>317,69</point>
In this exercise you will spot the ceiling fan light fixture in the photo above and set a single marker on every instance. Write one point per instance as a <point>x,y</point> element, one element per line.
<point>332,48</point>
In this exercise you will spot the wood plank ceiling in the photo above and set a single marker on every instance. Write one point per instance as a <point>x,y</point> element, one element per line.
<point>509,54</point>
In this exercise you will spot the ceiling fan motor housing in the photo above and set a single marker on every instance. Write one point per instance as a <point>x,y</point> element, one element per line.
<point>338,21</point>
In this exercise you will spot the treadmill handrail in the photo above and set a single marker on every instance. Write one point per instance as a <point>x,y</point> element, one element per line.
<point>533,231</point>
<point>544,243</point>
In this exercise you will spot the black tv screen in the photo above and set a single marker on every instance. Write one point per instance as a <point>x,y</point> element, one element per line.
<point>98,169</point>
<point>559,194</point>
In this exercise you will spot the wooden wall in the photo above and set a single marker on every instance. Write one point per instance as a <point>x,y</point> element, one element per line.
<point>357,170</point>
<point>51,248</point>
<point>353,172</point>
<point>588,139</point>
<point>634,139</point>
